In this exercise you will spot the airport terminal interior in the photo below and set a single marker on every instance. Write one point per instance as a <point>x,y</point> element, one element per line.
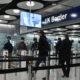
<point>26,18</point>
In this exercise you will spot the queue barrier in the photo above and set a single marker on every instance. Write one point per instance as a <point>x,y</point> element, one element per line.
<point>23,63</point>
<point>35,68</point>
<point>23,58</point>
<point>5,57</point>
<point>31,68</point>
<point>27,58</point>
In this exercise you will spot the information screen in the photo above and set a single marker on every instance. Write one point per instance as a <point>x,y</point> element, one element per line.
<point>30,19</point>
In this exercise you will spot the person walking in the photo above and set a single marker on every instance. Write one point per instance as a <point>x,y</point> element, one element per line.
<point>43,47</point>
<point>66,56</point>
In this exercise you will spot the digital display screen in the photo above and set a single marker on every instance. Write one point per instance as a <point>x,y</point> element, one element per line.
<point>30,19</point>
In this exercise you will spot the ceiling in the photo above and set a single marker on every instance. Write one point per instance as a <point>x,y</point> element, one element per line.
<point>43,7</point>
<point>6,8</point>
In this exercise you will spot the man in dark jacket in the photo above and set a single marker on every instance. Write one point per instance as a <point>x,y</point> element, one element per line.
<point>57,47</point>
<point>34,46</point>
<point>8,46</point>
<point>43,48</point>
<point>66,55</point>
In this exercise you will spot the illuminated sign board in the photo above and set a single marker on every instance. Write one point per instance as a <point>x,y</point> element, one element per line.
<point>67,15</point>
<point>56,18</point>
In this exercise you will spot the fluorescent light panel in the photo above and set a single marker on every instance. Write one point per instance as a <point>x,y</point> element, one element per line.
<point>6,16</point>
<point>7,26</point>
<point>16,10</point>
<point>30,3</point>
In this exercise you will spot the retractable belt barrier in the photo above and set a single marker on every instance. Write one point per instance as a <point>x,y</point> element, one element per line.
<point>27,58</point>
<point>30,68</point>
<point>35,68</point>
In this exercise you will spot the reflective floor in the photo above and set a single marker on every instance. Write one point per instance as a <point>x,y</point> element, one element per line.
<point>55,74</point>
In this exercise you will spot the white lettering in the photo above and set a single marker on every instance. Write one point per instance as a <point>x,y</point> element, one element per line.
<point>58,18</point>
<point>55,18</point>
<point>47,20</point>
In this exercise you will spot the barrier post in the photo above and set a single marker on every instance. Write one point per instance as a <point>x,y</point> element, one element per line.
<point>33,75</point>
<point>47,64</point>
<point>5,54</point>
<point>5,67</point>
<point>23,63</point>
<point>34,62</point>
<point>29,72</point>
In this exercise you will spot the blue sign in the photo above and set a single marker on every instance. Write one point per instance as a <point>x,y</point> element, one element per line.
<point>66,15</point>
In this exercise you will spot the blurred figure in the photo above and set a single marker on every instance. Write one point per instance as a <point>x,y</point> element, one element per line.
<point>66,55</point>
<point>8,46</point>
<point>34,46</point>
<point>43,48</point>
<point>22,49</point>
<point>50,44</point>
<point>22,45</point>
<point>57,47</point>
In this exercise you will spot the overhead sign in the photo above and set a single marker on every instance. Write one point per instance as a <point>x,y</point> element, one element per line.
<point>55,18</point>
<point>69,14</point>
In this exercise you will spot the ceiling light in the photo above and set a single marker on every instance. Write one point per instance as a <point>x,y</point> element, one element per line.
<point>1,20</point>
<point>72,34</point>
<point>75,26</point>
<point>74,15</point>
<point>73,31</point>
<point>6,16</point>
<point>58,29</point>
<point>10,26</point>
<point>7,26</point>
<point>53,4</point>
<point>60,33</point>
<point>45,31</point>
<point>50,0</point>
<point>49,34</point>
<point>30,3</point>
<point>16,10</point>
<point>5,1</point>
